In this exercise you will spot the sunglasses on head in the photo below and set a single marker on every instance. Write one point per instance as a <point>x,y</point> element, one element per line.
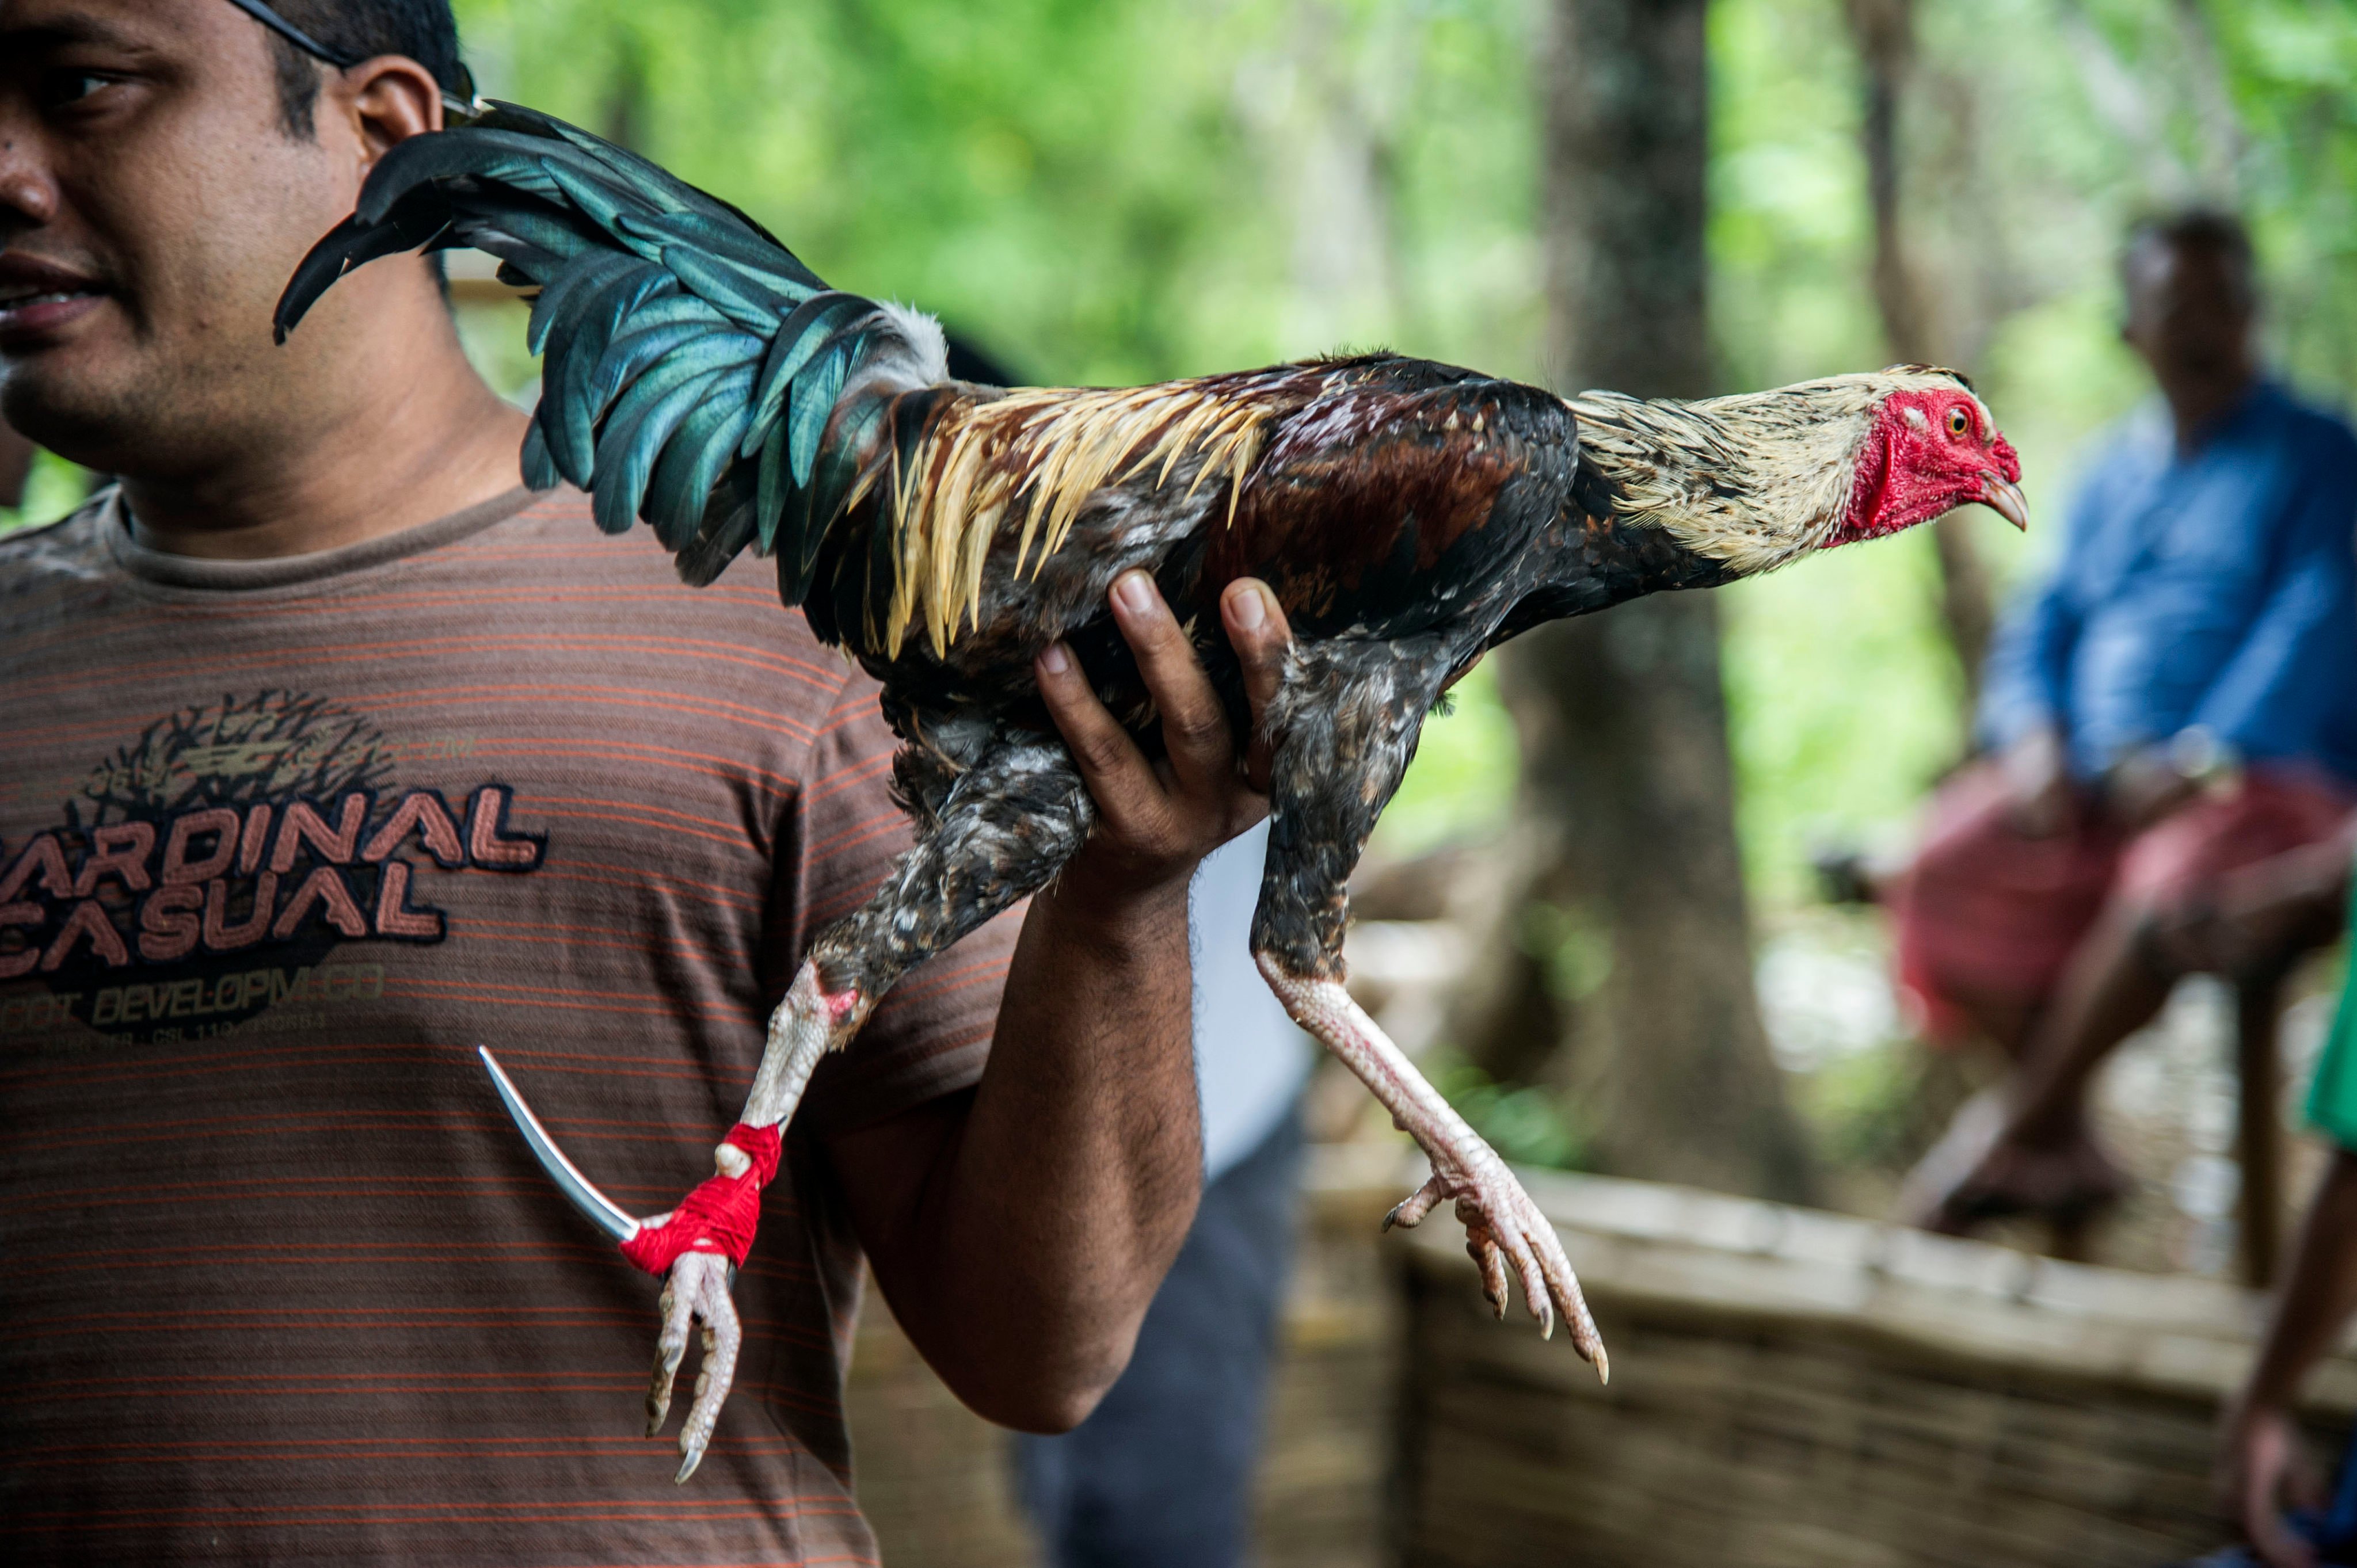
<point>462,102</point>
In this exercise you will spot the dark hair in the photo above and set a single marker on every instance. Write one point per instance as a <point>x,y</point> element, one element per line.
<point>2206,228</point>
<point>421,29</point>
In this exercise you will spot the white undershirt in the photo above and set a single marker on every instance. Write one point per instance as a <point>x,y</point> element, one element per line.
<point>1250,1059</point>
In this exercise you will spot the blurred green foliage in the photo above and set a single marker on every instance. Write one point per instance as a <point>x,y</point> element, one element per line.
<point>53,489</point>
<point>1530,1125</point>
<point>1116,191</point>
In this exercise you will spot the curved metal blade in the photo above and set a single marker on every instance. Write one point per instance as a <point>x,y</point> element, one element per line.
<point>603,1211</point>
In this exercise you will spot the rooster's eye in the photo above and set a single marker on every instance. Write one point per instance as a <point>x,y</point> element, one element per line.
<point>1960,423</point>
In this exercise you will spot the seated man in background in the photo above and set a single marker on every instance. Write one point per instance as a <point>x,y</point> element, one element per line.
<point>2179,701</point>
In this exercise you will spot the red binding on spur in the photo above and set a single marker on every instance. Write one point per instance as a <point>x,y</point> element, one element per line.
<point>719,1216</point>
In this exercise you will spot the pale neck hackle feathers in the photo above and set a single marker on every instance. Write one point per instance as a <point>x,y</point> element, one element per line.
<point>1755,480</point>
<point>1033,458</point>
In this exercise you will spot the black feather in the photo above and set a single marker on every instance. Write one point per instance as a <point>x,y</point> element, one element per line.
<point>744,299</point>
<point>799,338</point>
<point>730,522</point>
<point>588,275</point>
<point>353,243</point>
<point>644,421</point>
<point>577,347</point>
<point>539,472</point>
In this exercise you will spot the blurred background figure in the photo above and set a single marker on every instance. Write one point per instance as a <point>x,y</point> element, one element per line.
<point>2261,1468</point>
<point>1160,1475</point>
<point>2176,702</point>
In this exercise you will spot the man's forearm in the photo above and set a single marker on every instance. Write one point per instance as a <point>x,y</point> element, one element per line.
<point>2319,1294</point>
<point>1057,1200</point>
<point>1022,1229</point>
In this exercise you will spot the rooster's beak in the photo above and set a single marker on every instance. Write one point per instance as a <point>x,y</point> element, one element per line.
<point>2003,497</point>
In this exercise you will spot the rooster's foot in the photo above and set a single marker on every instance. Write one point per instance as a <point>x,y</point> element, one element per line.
<point>1503,1226</point>
<point>696,1288</point>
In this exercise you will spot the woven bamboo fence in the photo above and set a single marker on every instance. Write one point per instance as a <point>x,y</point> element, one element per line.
<point>1797,1390</point>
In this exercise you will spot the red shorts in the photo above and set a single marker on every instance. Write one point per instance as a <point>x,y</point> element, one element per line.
<point>1987,914</point>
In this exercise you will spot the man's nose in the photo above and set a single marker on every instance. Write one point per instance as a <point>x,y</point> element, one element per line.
<point>28,188</point>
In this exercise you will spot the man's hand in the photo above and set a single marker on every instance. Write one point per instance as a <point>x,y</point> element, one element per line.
<point>2259,914</point>
<point>2037,773</point>
<point>2145,787</point>
<point>1021,1229</point>
<point>2260,1468</point>
<point>1156,820</point>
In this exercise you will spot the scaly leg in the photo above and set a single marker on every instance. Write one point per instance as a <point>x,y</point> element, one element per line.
<point>1349,714</point>
<point>695,1249</point>
<point>1502,1223</point>
<point>996,835</point>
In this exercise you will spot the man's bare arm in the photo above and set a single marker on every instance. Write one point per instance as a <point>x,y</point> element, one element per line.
<point>2259,1461</point>
<point>1021,1230</point>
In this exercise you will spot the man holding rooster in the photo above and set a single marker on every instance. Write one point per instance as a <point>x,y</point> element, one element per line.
<point>333,752</point>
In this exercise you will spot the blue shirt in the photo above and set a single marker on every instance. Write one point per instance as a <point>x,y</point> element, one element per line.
<point>2214,588</point>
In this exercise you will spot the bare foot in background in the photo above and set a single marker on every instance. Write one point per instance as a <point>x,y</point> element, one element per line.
<point>1973,1175</point>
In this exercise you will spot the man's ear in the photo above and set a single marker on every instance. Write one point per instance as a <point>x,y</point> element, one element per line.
<point>385,101</point>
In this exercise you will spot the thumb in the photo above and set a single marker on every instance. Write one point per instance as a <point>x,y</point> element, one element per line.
<point>1256,630</point>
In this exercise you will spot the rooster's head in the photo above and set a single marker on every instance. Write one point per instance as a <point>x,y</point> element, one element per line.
<point>1758,480</point>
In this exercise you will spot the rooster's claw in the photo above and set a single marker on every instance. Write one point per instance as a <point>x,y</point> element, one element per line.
<point>696,1288</point>
<point>1503,1225</point>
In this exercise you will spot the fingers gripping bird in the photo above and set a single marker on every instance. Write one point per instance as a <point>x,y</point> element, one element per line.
<point>1407,515</point>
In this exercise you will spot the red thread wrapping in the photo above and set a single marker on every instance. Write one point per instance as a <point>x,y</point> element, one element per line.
<point>719,1216</point>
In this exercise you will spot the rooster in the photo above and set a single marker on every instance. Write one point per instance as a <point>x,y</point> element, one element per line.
<point>1407,515</point>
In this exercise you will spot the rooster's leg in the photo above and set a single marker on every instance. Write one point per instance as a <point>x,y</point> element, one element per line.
<point>1502,1225</point>
<point>989,835</point>
<point>1349,714</point>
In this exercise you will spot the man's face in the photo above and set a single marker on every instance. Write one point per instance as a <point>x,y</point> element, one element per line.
<point>2184,317</point>
<point>151,208</point>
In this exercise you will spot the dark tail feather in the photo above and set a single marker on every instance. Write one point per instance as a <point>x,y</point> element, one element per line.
<point>694,366</point>
<point>418,219</point>
<point>730,523</point>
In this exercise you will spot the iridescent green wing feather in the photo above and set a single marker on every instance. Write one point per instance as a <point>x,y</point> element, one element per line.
<point>692,365</point>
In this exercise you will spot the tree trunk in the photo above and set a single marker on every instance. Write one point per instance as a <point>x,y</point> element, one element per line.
<point>1631,911</point>
<point>1884,31</point>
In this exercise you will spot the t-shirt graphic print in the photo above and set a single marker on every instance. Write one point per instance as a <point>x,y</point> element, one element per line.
<point>226,855</point>
<point>281,843</point>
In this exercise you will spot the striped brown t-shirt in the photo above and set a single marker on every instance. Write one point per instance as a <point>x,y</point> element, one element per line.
<point>280,843</point>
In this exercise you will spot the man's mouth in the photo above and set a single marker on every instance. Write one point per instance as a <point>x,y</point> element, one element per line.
<point>26,298</point>
<point>38,297</point>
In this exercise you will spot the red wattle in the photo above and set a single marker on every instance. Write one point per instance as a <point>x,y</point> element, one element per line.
<point>720,1216</point>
